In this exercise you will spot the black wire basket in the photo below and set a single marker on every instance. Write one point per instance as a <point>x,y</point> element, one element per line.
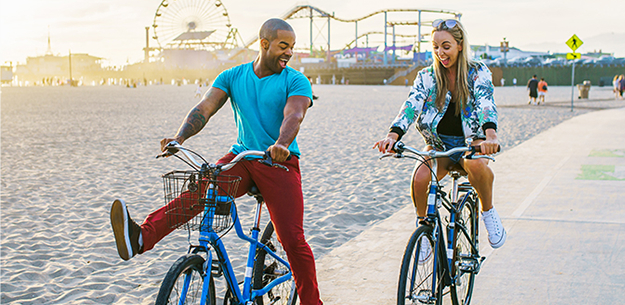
<point>188,207</point>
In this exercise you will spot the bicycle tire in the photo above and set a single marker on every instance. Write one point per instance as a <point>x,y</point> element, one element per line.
<point>265,270</point>
<point>415,278</point>
<point>187,265</point>
<point>465,261</point>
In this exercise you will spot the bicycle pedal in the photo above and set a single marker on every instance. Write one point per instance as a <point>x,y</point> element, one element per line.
<point>469,264</point>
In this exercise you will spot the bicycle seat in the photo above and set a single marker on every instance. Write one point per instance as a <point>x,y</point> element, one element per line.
<point>458,169</point>
<point>253,191</point>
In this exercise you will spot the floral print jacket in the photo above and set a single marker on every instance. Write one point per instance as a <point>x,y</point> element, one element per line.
<point>420,106</point>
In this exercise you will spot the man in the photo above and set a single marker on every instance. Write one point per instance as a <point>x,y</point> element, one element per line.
<point>532,86</point>
<point>542,90</point>
<point>269,100</point>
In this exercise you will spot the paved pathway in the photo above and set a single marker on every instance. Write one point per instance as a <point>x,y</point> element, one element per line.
<point>561,196</point>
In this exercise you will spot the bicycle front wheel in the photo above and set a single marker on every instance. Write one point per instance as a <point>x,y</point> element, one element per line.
<point>267,268</point>
<point>466,261</point>
<point>183,282</point>
<point>416,279</point>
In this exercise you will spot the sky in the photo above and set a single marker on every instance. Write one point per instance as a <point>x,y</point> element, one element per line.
<point>115,29</point>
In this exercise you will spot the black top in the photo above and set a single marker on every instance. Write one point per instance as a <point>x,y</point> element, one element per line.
<point>451,124</point>
<point>532,84</point>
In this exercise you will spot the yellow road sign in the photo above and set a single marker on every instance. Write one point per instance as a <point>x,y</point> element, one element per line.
<point>574,42</point>
<point>573,55</point>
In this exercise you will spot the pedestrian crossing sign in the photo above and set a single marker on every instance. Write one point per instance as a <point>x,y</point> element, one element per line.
<point>574,42</point>
<point>573,55</point>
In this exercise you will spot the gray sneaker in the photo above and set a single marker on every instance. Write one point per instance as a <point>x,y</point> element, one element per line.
<point>496,232</point>
<point>126,231</point>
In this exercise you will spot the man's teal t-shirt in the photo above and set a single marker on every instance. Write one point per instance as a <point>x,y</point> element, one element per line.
<point>258,104</point>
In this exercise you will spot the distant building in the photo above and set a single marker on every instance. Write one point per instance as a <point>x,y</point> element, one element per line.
<point>53,69</point>
<point>6,74</point>
<point>494,52</point>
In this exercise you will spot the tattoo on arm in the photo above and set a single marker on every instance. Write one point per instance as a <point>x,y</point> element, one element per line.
<point>193,124</point>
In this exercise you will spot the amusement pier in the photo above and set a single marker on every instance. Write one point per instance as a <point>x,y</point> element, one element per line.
<point>193,41</point>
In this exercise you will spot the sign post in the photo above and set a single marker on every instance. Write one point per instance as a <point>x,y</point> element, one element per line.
<point>503,47</point>
<point>574,43</point>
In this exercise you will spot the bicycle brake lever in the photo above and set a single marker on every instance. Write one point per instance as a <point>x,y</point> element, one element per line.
<point>386,155</point>
<point>170,150</point>
<point>269,162</point>
<point>473,156</point>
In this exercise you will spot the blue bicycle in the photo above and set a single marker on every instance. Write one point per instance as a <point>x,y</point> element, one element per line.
<point>203,200</point>
<point>442,255</point>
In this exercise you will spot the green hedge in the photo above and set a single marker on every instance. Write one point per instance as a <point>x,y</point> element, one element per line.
<point>558,76</point>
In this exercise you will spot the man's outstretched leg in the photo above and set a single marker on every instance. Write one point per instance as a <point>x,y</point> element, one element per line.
<point>127,232</point>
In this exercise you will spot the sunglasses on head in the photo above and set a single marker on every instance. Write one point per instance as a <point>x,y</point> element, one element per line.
<point>449,23</point>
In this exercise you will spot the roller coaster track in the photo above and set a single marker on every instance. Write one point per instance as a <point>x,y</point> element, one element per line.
<point>349,45</point>
<point>305,11</point>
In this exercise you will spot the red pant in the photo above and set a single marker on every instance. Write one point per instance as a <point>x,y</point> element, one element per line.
<point>282,192</point>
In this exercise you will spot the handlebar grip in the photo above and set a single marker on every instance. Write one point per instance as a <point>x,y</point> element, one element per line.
<point>170,150</point>
<point>268,156</point>
<point>478,149</point>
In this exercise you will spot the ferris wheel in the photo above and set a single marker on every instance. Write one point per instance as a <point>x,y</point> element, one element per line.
<point>192,24</point>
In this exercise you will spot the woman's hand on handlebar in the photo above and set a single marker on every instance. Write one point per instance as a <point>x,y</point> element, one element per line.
<point>491,144</point>
<point>386,145</point>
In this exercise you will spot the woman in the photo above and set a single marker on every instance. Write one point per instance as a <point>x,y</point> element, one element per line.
<point>542,90</point>
<point>452,101</point>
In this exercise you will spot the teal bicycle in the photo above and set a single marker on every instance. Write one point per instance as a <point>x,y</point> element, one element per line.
<point>203,200</point>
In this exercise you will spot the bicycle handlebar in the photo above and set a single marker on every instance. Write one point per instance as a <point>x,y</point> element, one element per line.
<point>174,147</point>
<point>400,148</point>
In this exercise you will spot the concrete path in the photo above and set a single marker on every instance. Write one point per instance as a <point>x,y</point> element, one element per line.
<point>561,196</point>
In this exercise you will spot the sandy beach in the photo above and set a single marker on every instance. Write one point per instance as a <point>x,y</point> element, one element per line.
<point>67,153</point>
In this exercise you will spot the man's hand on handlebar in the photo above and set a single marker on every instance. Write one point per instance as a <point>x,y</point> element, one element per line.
<point>279,153</point>
<point>166,141</point>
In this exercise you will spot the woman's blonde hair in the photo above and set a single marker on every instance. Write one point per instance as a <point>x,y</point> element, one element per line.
<point>464,63</point>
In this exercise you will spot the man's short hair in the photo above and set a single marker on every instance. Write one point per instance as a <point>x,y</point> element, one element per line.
<point>269,29</point>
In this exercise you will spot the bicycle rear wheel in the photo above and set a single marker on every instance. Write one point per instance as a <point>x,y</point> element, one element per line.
<point>416,283</point>
<point>185,272</point>
<point>267,268</point>
<point>466,261</point>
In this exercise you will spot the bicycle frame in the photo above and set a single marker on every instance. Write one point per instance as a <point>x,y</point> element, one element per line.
<point>444,252</point>
<point>433,217</point>
<point>210,239</point>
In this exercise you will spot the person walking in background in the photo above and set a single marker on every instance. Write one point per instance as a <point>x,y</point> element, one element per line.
<point>542,90</point>
<point>198,91</point>
<point>621,81</point>
<point>451,102</point>
<point>616,86</point>
<point>313,92</point>
<point>532,87</point>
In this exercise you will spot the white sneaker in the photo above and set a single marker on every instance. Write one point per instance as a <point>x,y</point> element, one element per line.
<point>425,251</point>
<point>496,232</point>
